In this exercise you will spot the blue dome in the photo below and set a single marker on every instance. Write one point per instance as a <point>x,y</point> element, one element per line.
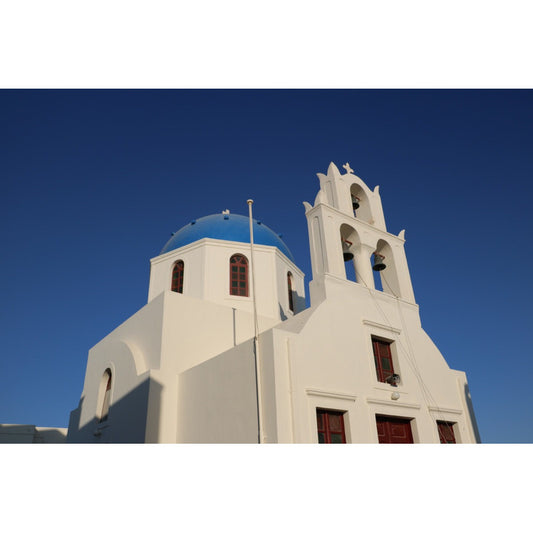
<point>226,228</point>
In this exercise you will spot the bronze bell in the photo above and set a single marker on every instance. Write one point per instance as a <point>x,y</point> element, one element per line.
<point>378,262</point>
<point>347,254</point>
<point>355,202</point>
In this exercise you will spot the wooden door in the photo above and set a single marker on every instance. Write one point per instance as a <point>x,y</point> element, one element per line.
<point>393,430</point>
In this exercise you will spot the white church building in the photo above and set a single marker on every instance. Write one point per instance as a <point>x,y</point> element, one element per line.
<point>216,356</point>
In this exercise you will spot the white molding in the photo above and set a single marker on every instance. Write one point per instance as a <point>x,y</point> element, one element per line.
<point>381,326</point>
<point>227,244</point>
<point>385,387</point>
<point>394,403</point>
<point>234,298</point>
<point>176,252</point>
<point>351,219</point>
<point>331,394</point>
<point>445,410</point>
<point>375,292</point>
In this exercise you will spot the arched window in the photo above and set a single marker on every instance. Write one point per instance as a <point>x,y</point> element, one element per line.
<point>106,381</point>
<point>177,277</point>
<point>289,288</point>
<point>238,275</point>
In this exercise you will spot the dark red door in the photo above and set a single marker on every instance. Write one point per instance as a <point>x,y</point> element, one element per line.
<point>392,430</point>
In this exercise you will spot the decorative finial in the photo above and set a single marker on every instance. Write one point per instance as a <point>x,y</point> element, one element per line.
<point>225,212</point>
<point>347,168</point>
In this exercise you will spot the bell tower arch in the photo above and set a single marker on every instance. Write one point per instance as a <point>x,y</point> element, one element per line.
<point>346,223</point>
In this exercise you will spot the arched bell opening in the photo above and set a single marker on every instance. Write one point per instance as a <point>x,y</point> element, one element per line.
<point>360,203</point>
<point>349,241</point>
<point>385,270</point>
<point>378,266</point>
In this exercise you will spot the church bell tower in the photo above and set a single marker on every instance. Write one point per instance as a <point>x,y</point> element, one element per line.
<point>347,225</point>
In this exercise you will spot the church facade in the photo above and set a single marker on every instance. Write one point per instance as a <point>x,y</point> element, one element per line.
<point>218,357</point>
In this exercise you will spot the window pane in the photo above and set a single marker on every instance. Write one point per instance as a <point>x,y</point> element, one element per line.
<point>386,363</point>
<point>384,348</point>
<point>238,275</point>
<point>335,422</point>
<point>330,426</point>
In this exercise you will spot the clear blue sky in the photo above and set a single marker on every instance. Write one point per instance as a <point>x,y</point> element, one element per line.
<point>94,182</point>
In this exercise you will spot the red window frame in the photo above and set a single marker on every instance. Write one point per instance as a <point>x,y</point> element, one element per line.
<point>238,275</point>
<point>446,432</point>
<point>330,426</point>
<point>289,288</point>
<point>394,430</point>
<point>382,359</point>
<point>177,277</point>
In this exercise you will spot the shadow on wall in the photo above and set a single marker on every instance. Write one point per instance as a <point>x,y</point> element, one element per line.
<point>127,421</point>
<point>299,303</point>
<point>29,434</point>
<point>49,436</point>
<point>470,408</point>
<point>299,306</point>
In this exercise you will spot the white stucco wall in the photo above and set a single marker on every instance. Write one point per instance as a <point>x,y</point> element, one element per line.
<point>193,257</point>
<point>129,351</point>
<point>146,354</point>
<point>207,276</point>
<point>217,400</point>
<point>329,364</point>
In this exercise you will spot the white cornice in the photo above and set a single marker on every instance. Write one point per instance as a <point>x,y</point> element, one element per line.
<point>436,409</point>
<point>331,394</point>
<point>353,220</point>
<point>381,326</point>
<point>393,403</point>
<point>245,246</point>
